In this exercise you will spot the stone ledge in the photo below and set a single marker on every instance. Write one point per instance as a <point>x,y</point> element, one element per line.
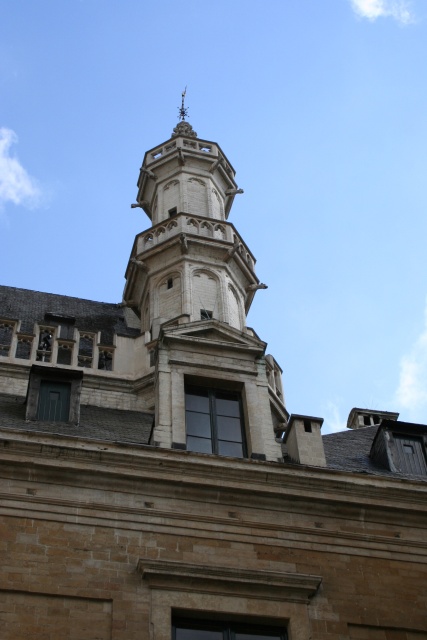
<point>292,587</point>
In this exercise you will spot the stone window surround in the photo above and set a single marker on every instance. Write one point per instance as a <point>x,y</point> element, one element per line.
<point>266,596</point>
<point>84,356</point>
<point>211,397</point>
<point>179,382</point>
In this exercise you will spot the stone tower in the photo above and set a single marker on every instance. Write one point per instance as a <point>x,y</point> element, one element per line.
<point>191,281</point>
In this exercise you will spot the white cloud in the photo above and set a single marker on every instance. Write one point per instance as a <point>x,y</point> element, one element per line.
<point>412,389</point>
<point>16,185</point>
<point>373,9</point>
<point>333,420</point>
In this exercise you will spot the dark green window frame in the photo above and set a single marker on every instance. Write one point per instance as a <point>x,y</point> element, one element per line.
<point>204,630</point>
<point>214,421</point>
<point>54,401</point>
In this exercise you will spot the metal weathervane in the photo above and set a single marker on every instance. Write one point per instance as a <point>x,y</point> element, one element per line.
<point>183,111</point>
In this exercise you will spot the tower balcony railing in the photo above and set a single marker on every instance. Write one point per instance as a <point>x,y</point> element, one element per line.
<point>191,225</point>
<point>186,144</point>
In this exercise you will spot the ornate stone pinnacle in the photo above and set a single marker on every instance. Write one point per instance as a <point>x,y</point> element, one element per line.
<point>184,128</point>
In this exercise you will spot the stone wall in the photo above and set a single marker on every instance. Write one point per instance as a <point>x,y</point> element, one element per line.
<point>106,542</point>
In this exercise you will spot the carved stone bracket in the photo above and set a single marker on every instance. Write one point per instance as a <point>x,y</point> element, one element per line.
<point>184,243</point>
<point>231,252</point>
<point>149,173</point>
<point>139,264</point>
<point>215,164</point>
<point>181,157</point>
<point>256,287</point>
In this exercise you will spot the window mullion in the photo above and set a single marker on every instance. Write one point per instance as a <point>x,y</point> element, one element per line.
<point>214,430</point>
<point>242,428</point>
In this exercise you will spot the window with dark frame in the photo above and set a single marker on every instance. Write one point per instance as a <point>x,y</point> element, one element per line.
<point>214,422</point>
<point>54,401</point>
<point>6,331</point>
<point>23,347</point>
<point>153,357</point>
<point>105,360</point>
<point>203,630</point>
<point>85,355</point>
<point>205,315</point>
<point>65,353</point>
<point>410,454</point>
<point>172,212</point>
<point>44,349</point>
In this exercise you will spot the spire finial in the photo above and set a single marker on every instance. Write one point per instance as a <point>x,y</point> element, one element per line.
<point>183,111</point>
<point>183,128</point>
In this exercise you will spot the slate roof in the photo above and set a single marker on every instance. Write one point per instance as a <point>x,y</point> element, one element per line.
<point>349,451</point>
<point>96,423</point>
<point>31,306</point>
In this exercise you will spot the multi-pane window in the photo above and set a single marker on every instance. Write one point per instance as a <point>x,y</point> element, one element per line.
<point>65,353</point>
<point>6,331</point>
<point>201,630</point>
<point>85,357</point>
<point>214,422</point>
<point>44,349</point>
<point>105,359</point>
<point>23,347</point>
<point>54,401</point>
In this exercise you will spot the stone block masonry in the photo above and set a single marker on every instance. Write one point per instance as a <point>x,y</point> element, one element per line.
<point>76,530</point>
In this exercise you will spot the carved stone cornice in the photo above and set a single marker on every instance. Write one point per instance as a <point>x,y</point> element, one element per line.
<point>274,585</point>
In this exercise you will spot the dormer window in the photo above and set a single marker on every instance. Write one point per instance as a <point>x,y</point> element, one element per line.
<point>411,457</point>
<point>401,447</point>
<point>53,394</point>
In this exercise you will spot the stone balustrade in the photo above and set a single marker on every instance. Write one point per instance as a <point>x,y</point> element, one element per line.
<point>188,145</point>
<point>192,225</point>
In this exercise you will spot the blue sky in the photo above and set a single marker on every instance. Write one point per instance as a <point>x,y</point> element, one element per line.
<point>321,108</point>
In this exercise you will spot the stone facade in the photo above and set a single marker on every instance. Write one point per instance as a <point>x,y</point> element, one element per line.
<point>101,541</point>
<point>114,524</point>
